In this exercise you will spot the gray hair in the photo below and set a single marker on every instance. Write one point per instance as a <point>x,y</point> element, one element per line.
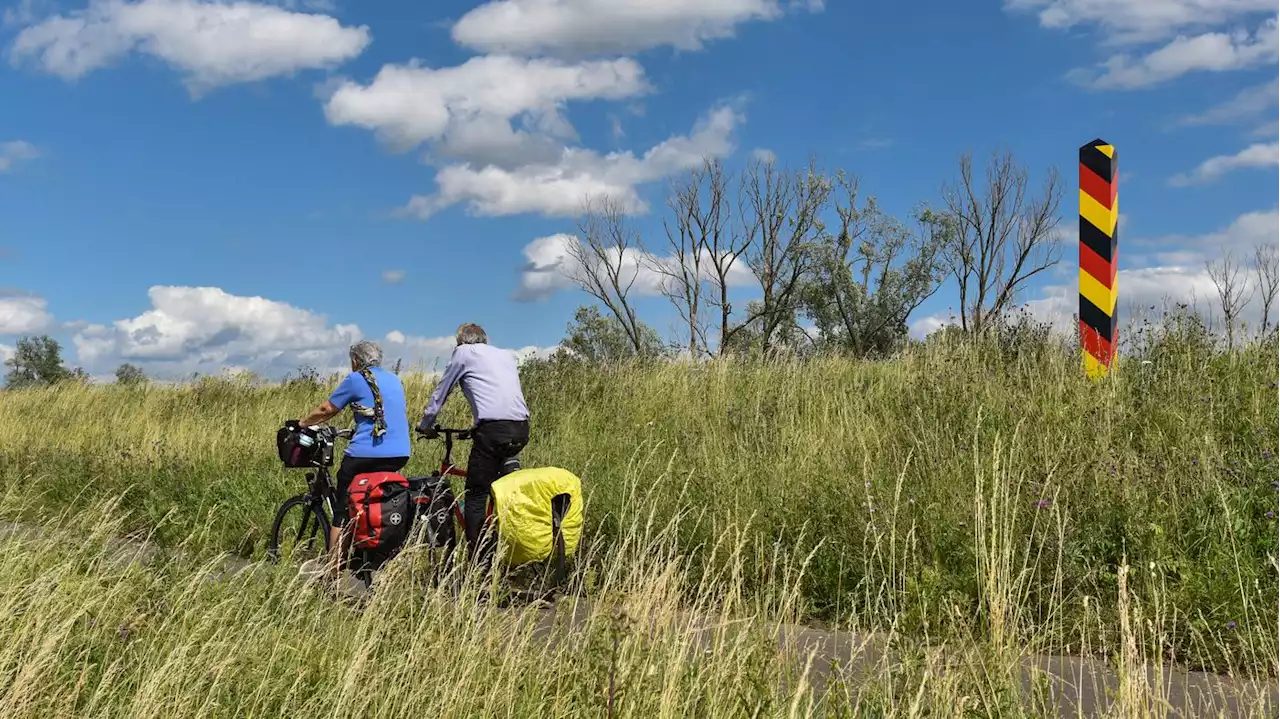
<point>471,334</point>
<point>366,354</point>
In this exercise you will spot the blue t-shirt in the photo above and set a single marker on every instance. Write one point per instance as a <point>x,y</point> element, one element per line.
<point>395,443</point>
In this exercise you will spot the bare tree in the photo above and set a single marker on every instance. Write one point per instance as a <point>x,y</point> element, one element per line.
<point>605,263</point>
<point>724,242</point>
<point>698,204</point>
<point>1232,296</point>
<point>1265,258</point>
<point>1002,237</point>
<point>780,213</point>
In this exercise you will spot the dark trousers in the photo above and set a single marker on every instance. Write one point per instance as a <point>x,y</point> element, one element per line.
<point>351,466</point>
<point>492,444</point>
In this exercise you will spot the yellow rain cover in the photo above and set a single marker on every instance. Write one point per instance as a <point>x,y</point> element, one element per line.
<point>522,502</point>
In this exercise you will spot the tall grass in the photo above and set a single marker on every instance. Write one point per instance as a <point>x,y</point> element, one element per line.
<point>962,493</point>
<point>96,628</point>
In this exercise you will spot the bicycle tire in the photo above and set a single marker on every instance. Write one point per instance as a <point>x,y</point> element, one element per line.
<point>310,509</point>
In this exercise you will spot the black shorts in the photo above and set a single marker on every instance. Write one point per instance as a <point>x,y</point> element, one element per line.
<point>351,466</point>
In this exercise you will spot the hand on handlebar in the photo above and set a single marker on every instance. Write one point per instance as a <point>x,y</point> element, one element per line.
<point>429,432</point>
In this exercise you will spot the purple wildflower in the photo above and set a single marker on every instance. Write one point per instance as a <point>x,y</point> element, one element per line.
<point>1231,625</point>
<point>1266,454</point>
<point>1042,503</point>
<point>1271,514</point>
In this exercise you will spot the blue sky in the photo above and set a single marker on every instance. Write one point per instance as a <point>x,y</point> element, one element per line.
<point>195,185</point>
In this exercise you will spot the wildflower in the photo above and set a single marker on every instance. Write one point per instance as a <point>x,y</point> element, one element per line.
<point>1266,454</point>
<point>1231,625</point>
<point>1042,503</point>
<point>867,484</point>
<point>1271,514</point>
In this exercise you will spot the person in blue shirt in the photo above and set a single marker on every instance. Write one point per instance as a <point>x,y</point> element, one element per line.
<point>381,439</point>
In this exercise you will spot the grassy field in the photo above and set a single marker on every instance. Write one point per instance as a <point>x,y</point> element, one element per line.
<point>957,497</point>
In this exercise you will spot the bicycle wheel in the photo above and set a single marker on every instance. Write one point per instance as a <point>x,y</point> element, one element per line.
<point>309,540</point>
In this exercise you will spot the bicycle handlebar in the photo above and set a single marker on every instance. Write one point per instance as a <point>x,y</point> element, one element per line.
<point>446,431</point>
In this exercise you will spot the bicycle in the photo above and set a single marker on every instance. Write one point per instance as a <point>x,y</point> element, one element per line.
<point>433,494</point>
<point>431,497</point>
<point>435,503</point>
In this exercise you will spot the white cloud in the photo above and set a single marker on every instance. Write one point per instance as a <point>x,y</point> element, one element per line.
<point>1255,156</point>
<point>1139,21</point>
<point>764,154</point>
<point>559,188</point>
<point>1197,36</point>
<point>15,151</point>
<point>1208,52</point>
<point>22,313</point>
<point>393,277</point>
<point>212,42</point>
<point>208,330</point>
<point>469,108</point>
<point>925,326</point>
<point>586,27</point>
<point>1176,274</point>
<point>1246,105</point>
<point>550,266</point>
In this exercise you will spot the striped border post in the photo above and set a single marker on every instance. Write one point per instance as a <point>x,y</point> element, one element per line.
<point>1098,219</point>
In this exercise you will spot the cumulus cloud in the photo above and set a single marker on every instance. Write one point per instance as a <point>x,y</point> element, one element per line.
<point>550,266</point>
<point>1197,36</point>
<point>1244,106</point>
<point>210,331</point>
<point>764,154</point>
<point>468,109</point>
<point>559,188</point>
<point>14,152</point>
<point>586,27</point>
<point>393,277</point>
<point>22,312</point>
<point>1172,271</point>
<point>1255,156</point>
<point>1207,52</point>
<point>211,42</point>
<point>1139,21</point>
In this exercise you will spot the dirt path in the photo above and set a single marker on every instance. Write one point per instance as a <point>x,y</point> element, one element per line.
<point>1080,687</point>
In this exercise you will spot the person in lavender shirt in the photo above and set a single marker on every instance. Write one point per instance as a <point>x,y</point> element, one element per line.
<point>491,383</point>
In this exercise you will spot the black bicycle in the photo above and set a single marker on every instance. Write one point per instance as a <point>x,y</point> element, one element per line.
<point>314,507</point>
<point>302,524</point>
<point>437,518</point>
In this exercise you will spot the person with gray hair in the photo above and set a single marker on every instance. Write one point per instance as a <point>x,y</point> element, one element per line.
<point>380,442</point>
<point>490,381</point>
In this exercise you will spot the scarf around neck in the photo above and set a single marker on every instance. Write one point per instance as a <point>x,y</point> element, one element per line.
<point>379,418</point>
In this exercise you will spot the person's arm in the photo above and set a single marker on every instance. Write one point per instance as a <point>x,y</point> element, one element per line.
<point>452,373</point>
<point>341,397</point>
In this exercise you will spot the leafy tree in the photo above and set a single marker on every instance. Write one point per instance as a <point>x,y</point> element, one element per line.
<point>36,362</point>
<point>128,374</point>
<point>595,337</point>
<point>870,275</point>
<point>787,339</point>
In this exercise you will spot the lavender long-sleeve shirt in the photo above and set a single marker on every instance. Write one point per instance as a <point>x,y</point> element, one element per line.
<point>490,382</point>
